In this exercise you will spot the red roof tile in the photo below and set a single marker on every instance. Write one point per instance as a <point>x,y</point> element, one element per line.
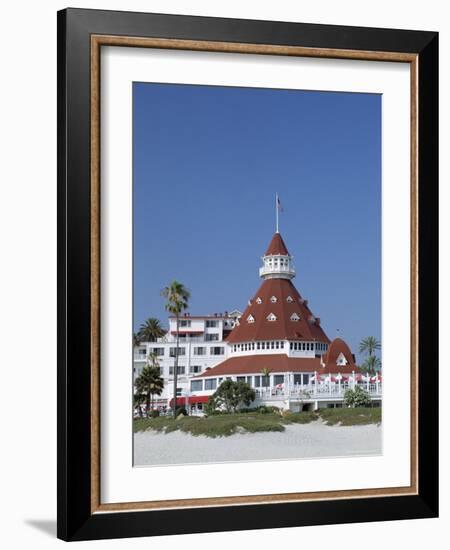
<point>254,364</point>
<point>277,246</point>
<point>337,347</point>
<point>283,328</point>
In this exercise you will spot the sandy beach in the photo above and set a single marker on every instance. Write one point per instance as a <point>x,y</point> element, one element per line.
<point>315,440</point>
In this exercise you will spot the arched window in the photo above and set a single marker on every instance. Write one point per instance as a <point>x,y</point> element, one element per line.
<point>295,317</point>
<point>271,317</point>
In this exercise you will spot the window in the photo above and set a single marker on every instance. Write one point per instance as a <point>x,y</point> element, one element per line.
<point>240,378</point>
<point>258,300</point>
<point>196,385</point>
<point>257,381</point>
<point>159,352</point>
<point>291,346</point>
<point>277,345</point>
<point>265,381</point>
<point>199,351</point>
<point>179,390</point>
<point>278,379</point>
<point>195,369</point>
<point>185,323</point>
<point>216,351</point>
<point>211,324</point>
<point>271,317</point>
<point>249,380</point>
<point>295,317</point>
<point>250,319</point>
<point>273,299</point>
<point>289,299</point>
<point>211,384</point>
<point>258,345</point>
<point>211,337</point>
<point>306,379</point>
<point>181,351</point>
<point>142,352</point>
<point>297,378</point>
<point>272,345</point>
<point>263,345</point>
<point>180,370</point>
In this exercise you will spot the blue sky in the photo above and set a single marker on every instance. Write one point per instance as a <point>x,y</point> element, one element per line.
<point>207,164</point>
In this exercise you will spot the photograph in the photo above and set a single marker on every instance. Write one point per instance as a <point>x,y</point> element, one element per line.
<point>256,274</point>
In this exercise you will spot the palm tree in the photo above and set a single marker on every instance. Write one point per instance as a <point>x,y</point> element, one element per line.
<point>372,364</point>
<point>138,399</point>
<point>149,383</point>
<point>136,340</point>
<point>150,330</point>
<point>369,345</point>
<point>177,296</point>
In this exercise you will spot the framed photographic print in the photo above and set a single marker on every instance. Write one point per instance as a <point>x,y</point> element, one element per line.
<point>247,274</point>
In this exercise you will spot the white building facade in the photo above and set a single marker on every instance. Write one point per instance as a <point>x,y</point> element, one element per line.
<point>202,345</point>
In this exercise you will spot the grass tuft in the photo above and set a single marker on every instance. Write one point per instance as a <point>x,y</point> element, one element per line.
<point>224,425</point>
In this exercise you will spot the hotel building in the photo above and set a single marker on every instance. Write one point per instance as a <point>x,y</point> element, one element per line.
<point>277,345</point>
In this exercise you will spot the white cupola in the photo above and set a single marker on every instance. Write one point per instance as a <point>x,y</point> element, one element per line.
<point>277,262</point>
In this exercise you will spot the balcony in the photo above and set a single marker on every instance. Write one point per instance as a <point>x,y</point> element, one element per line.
<point>315,391</point>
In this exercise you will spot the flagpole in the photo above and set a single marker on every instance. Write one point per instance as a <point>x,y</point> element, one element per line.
<point>276,211</point>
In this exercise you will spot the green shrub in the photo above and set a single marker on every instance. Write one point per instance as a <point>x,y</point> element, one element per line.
<point>357,398</point>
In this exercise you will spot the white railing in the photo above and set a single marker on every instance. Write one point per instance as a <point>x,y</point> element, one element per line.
<point>314,391</point>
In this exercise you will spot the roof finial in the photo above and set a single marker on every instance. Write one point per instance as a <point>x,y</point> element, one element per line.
<point>277,210</point>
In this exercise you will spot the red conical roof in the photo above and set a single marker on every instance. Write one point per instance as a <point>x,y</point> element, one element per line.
<point>293,319</point>
<point>335,349</point>
<point>277,246</point>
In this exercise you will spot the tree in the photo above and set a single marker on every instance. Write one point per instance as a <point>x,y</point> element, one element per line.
<point>136,340</point>
<point>138,399</point>
<point>231,395</point>
<point>357,398</point>
<point>177,296</point>
<point>371,365</point>
<point>149,382</point>
<point>150,330</point>
<point>369,345</point>
<point>266,377</point>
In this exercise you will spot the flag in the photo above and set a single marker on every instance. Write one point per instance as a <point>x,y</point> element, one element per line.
<point>280,208</point>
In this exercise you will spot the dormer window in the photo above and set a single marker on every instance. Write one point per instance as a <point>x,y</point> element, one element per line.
<point>273,299</point>
<point>295,317</point>
<point>250,319</point>
<point>341,360</point>
<point>258,300</point>
<point>312,319</point>
<point>271,317</point>
<point>289,299</point>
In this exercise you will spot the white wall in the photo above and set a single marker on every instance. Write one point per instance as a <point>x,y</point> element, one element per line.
<point>28,278</point>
